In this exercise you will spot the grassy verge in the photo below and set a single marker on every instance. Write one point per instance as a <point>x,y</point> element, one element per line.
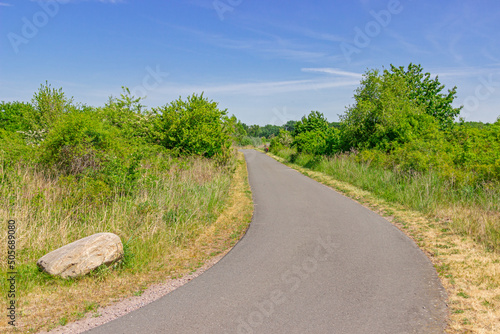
<point>184,212</point>
<point>456,233</point>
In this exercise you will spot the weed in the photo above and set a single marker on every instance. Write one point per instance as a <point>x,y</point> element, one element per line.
<point>463,294</point>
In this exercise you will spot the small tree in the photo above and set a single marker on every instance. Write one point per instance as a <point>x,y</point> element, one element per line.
<point>129,115</point>
<point>315,121</point>
<point>48,105</point>
<point>282,140</point>
<point>387,112</point>
<point>195,126</point>
<point>426,93</point>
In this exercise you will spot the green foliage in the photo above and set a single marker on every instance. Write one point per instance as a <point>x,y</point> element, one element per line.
<point>238,131</point>
<point>128,115</point>
<point>476,150</point>
<point>311,142</point>
<point>402,121</point>
<point>315,121</point>
<point>382,117</point>
<point>13,148</point>
<point>48,105</point>
<point>278,143</point>
<point>314,135</point>
<point>266,131</point>
<point>289,126</point>
<point>427,93</point>
<point>76,143</point>
<point>250,141</point>
<point>195,126</point>
<point>13,116</point>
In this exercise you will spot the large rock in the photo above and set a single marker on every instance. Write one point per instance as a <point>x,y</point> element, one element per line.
<point>82,256</point>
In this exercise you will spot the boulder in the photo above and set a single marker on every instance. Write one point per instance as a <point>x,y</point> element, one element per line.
<point>82,256</point>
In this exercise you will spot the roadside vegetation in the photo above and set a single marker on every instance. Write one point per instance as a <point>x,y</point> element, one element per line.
<point>166,180</point>
<point>400,141</point>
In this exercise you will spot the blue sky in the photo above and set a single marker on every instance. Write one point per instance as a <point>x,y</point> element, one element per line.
<point>265,61</point>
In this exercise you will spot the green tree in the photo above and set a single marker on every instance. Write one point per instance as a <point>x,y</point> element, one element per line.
<point>315,121</point>
<point>282,140</point>
<point>129,115</point>
<point>237,130</point>
<point>427,93</point>
<point>289,126</point>
<point>313,135</point>
<point>383,115</point>
<point>195,126</point>
<point>48,105</point>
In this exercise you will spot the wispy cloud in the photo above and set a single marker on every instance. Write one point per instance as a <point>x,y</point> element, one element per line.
<point>272,45</point>
<point>258,88</point>
<point>465,72</point>
<point>334,71</point>
<point>4,4</point>
<point>310,33</point>
<point>403,42</point>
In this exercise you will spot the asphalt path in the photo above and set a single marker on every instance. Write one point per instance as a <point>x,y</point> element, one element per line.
<point>312,261</point>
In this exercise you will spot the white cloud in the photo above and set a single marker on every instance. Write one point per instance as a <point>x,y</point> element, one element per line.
<point>333,71</point>
<point>258,88</point>
<point>4,4</point>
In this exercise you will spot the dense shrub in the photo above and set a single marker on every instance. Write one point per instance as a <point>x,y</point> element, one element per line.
<point>48,105</point>
<point>13,116</point>
<point>195,126</point>
<point>127,114</point>
<point>13,148</point>
<point>76,143</point>
<point>382,117</point>
<point>313,134</point>
<point>284,139</point>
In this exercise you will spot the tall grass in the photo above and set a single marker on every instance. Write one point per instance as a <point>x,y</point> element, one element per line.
<point>470,210</point>
<point>169,206</point>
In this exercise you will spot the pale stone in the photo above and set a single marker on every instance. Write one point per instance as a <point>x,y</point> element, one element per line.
<point>82,256</point>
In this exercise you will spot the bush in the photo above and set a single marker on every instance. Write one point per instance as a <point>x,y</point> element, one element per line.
<point>48,105</point>
<point>13,148</point>
<point>129,116</point>
<point>75,144</point>
<point>382,116</point>
<point>311,134</point>
<point>195,126</point>
<point>13,116</point>
<point>284,139</point>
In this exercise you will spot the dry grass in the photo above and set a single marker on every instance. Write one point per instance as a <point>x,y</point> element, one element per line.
<point>173,250</point>
<point>467,269</point>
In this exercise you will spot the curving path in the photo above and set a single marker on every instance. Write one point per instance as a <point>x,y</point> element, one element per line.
<point>312,261</point>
